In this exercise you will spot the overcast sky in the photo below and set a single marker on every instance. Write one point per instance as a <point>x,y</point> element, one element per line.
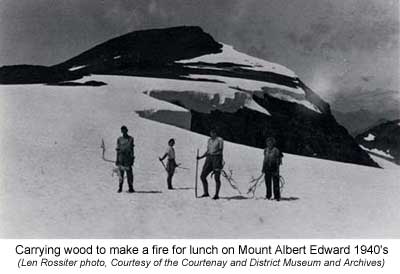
<point>333,45</point>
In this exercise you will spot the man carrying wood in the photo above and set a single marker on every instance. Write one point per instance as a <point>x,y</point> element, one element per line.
<point>125,158</point>
<point>270,168</point>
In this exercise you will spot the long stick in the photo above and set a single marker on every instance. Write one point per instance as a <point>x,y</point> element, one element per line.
<point>197,173</point>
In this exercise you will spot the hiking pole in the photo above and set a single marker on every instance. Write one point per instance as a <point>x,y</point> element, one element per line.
<point>197,173</point>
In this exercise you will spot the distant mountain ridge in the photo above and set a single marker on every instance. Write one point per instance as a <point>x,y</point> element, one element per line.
<point>360,108</point>
<point>357,122</point>
<point>383,140</point>
<point>247,98</point>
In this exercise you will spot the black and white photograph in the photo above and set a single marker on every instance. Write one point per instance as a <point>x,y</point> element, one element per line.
<point>172,119</point>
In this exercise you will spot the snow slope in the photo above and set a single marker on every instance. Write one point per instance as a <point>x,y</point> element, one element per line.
<point>77,68</point>
<point>377,151</point>
<point>230,55</point>
<point>294,95</point>
<point>54,184</point>
<point>384,163</point>
<point>226,87</point>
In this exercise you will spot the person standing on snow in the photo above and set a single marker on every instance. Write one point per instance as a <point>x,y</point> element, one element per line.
<point>272,161</point>
<point>171,163</point>
<point>213,163</point>
<point>125,158</point>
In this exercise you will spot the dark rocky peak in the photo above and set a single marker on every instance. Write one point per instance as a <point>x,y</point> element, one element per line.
<point>147,47</point>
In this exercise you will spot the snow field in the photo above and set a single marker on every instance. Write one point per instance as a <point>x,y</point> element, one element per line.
<point>377,151</point>
<point>230,55</point>
<point>55,185</point>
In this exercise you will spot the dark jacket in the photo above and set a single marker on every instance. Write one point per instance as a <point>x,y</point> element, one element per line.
<point>125,154</point>
<point>272,160</point>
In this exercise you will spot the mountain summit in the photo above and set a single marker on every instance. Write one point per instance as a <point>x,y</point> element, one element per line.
<point>202,83</point>
<point>146,48</point>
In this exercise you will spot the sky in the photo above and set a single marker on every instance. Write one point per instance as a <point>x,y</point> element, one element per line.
<point>333,45</point>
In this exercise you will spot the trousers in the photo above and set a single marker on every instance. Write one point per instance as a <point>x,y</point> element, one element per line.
<point>129,175</point>
<point>214,164</point>
<point>272,181</point>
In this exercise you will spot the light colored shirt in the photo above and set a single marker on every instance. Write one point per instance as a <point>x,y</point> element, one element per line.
<point>170,153</point>
<point>215,146</point>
